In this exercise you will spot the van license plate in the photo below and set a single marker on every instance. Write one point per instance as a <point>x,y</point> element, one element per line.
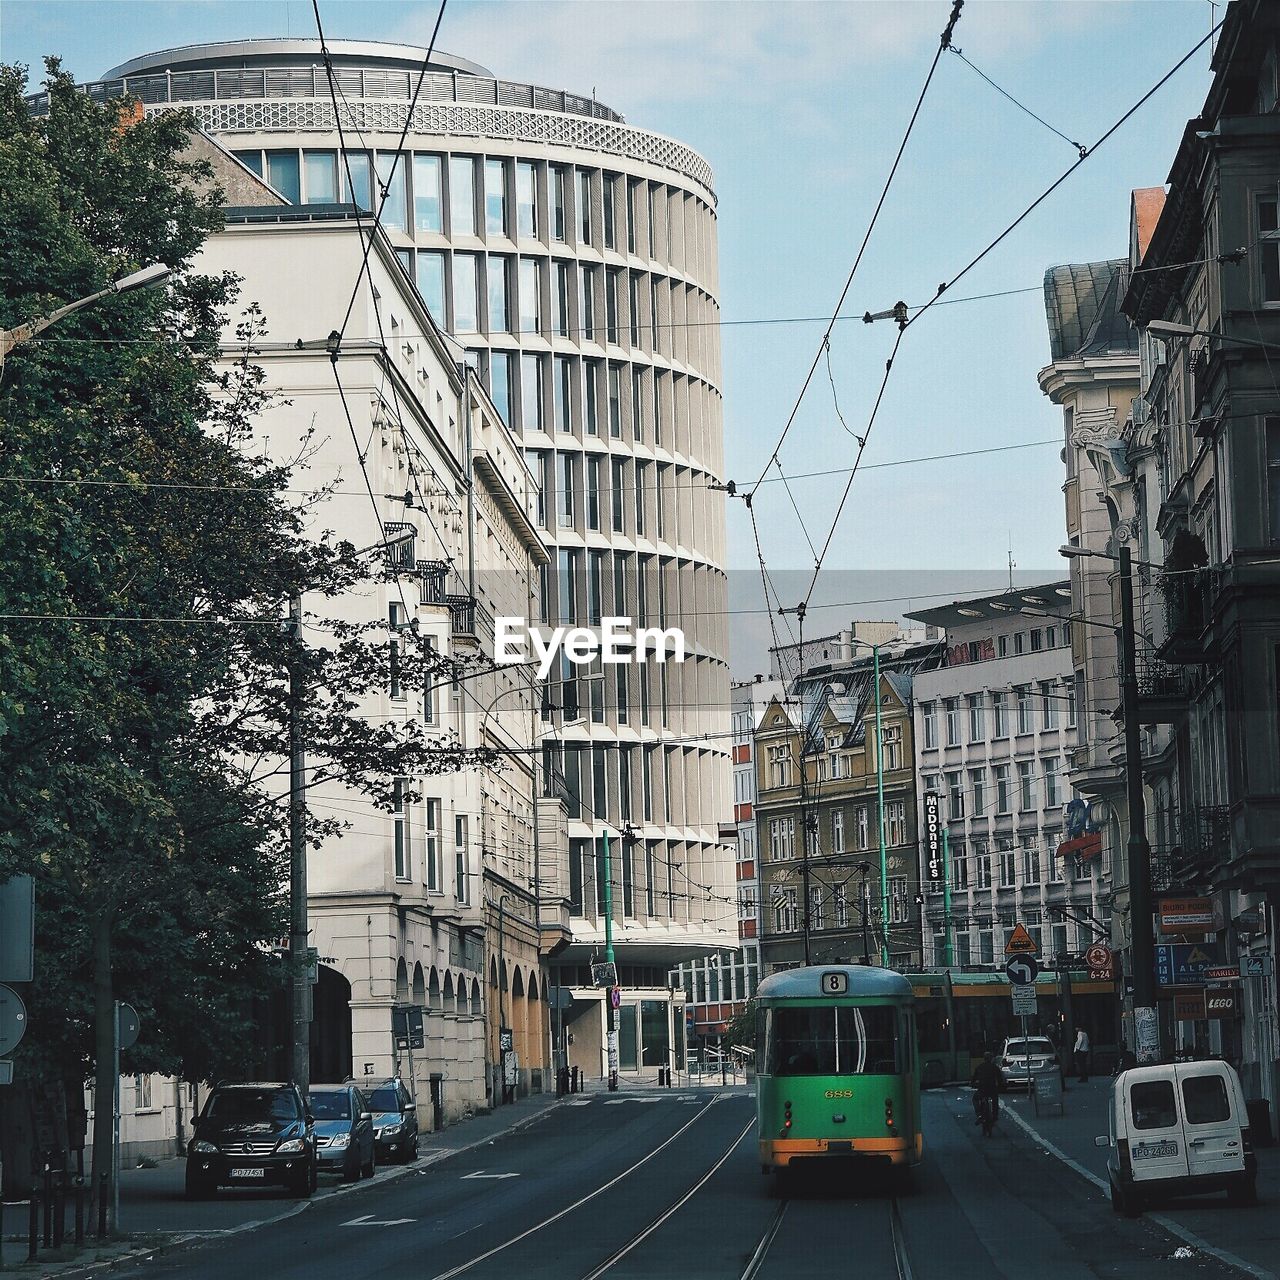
<point>249,1173</point>
<point>1155,1150</point>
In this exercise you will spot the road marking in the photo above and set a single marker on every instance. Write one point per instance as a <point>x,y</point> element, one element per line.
<point>617,1102</point>
<point>368,1220</point>
<point>480,1173</point>
<point>1175,1229</point>
<point>577,1204</point>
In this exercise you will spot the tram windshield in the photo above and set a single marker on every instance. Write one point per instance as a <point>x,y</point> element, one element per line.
<point>833,1041</point>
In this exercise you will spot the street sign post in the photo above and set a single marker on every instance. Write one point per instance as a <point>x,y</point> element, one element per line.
<point>1024,1002</point>
<point>1020,943</point>
<point>126,1028</point>
<point>1022,970</point>
<point>605,975</point>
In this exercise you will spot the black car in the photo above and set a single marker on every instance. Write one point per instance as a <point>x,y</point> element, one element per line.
<point>395,1120</point>
<point>344,1130</point>
<point>249,1135</point>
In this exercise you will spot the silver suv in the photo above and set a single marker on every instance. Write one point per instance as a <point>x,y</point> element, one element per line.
<point>1034,1055</point>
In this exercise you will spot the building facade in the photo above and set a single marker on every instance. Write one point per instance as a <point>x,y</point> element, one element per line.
<point>996,725</point>
<point>1211,268</point>
<point>574,258</point>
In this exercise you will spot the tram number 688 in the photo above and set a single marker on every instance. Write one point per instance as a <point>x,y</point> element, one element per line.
<point>835,984</point>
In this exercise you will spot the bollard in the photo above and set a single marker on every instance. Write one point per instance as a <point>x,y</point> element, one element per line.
<point>33,1224</point>
<point>79,1196</point>
<point>48,1207</point>
<point>102,1206</point>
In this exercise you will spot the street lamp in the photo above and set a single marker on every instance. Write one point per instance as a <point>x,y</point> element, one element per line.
<point>154,274</point>
<point>1141,929</point>
<point>884,860</point>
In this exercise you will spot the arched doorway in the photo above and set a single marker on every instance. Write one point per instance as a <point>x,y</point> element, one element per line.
<point>331,1028</point>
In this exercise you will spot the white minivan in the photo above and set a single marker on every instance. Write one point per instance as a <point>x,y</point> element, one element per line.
<point>1178,1129</point>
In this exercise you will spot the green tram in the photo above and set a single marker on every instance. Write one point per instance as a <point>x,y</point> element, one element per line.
<point>838,1073</point>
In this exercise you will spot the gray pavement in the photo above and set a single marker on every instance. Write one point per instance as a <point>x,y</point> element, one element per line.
<point>1250,1236</point>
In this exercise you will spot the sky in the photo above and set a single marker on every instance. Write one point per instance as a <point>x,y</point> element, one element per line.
<point>800,108</point>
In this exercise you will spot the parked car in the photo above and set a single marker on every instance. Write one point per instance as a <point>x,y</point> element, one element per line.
<point>1019,1054</point>
<point>251,1135</point>
<point>395,1120</point>
<point>1178,1129</point>
<point>344,1131</point>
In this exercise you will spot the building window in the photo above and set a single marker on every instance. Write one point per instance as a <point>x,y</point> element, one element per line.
<point>1269,248</point>
<point>1273,476</point>
<point>1035,640</point>
<point>391,167</point>
<point>978,790</point>
<point>466,317</point>
<point>986,947</point>
<point>959,868</point>
<point>584,206</point>
<point>321,171</point>
<point>282,173</point>
<point>530,297</point>
<point>462,195</point>
<point>560,299</point>
<point>531,392</point>
<point>953,721</point>
<point>430,278</point>
<point>567,562</point>
<point>619,494</point>
<point>1030,861</point>
<point>784,911</point>
<point>642,483</point>
<point>526,202</point>
<point>1026,785</point>
<point>1000,710</point>
<point>955,796</point>
<point>780,766</point>
<point>1048,705</point>
<point>898,909</point>
<point>615,402</point>
<point>1052,798</point>
<point>592,491</point>
<point>930,718</point>
<point>837,831</point>
<point>1007,863</point>
<point>892,739</point>
<point>1019,642</point>
<point>428,212</point>
<point>557,208</point>
<point>496,273</point>
<point>982,866</point>
<point>977,718</point>
<point>1002,789</point>
<point>1002,646</point>
<point>611,304</point>
<point>495,197</point>
<point>895,819</point>
<point>563,393</point>
<point>564,486</point>
<point>1026,709</point>
<point>400,815</point>
<point>1071,704</point>
<point>431,869</point>
<point>817,918</point>
<point>842,907</point>
<point>1055,862</point>
<point>610,236</point>
<point>782,836</point>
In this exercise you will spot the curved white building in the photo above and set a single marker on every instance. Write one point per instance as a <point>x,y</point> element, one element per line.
<point>575,258</point>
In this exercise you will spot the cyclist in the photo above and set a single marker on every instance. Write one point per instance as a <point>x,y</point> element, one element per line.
<point>987,1082</point>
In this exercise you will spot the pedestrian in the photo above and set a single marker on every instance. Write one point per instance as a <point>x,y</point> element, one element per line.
<point>1082,1055</point>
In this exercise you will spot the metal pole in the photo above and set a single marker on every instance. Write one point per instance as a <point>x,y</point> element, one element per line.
<point>884,860</point>
<point>1142,933</point>
<point>502,1010</point>
<point>608,955</point>
<point>946,895</point>
<point>866,910</point>
<point>115,1120</point>
<point>1026,1049</point>
<point>298,926</point>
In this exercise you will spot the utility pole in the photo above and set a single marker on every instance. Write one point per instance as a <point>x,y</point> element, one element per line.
<point>946,894</point>
<point>298,928</point>
<point>804,793</point>
<point>608,955</point>
<point>1141,930</point>
<point>884,861</point>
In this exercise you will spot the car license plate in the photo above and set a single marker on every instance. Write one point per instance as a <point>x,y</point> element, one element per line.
<point>249,1173</point>
<point>1154,1150</point>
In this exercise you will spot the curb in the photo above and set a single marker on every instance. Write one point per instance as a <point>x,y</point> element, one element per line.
<point>193,1240</point>
<point>1173,1228</point>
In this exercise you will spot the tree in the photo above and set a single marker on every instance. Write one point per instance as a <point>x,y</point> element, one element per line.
<point>144,672</point>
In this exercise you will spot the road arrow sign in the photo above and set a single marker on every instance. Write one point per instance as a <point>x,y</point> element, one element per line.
<point>1022,970</point>
<point>368,1220</point>
<point>480,1173</point>
<point>13,1019</point>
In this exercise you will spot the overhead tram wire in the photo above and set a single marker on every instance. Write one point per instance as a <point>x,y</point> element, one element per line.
<point>944,43</point>
<point>905,324</point>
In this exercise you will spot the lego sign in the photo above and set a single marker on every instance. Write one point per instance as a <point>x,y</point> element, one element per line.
<point>933,839</point>
<point>1221,1003</point>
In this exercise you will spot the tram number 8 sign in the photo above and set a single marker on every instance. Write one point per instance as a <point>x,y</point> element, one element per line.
<point>835,984</point>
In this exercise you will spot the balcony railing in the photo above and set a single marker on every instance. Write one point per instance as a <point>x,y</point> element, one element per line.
<point>1185,617</point>
<point>400,539</point>
<point>1200,842</point>
<point>433,574</point>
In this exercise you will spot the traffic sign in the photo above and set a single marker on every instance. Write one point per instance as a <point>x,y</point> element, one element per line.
<point>1020,943</point>
<point>13,1019</point>
<point>17,929</point>
<point>1022,970</point>
<point>1258,966</point>
<point>605,974</point>
<point>1024,1000</point>
<point>128,1025</point>
<point>615,997</point>
<point>1098,956</point>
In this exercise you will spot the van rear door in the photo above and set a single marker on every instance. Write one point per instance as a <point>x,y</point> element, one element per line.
<point>1210,1120</point>
<point>1157,1145</point>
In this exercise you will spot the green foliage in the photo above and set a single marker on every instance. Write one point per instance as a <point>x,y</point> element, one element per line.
<point>742,1027</point>
<point>147,556</point>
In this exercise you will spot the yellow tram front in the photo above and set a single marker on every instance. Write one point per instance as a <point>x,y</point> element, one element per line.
<point>837,1069</point>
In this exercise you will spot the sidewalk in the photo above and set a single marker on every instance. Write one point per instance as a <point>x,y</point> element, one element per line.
<point>156,1215</point>
<point>1247,1237</point>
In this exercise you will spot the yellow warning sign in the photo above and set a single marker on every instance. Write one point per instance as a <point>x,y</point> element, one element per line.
<point>1020,943</point>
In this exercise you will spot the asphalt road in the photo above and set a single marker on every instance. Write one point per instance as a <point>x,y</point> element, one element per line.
<point>667,1184</point>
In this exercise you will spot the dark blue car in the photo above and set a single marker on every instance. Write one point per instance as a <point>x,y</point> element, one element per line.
<point>395,1120</point>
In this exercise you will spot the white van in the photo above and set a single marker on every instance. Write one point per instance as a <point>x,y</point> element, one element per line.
<point>1178,1129</point>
